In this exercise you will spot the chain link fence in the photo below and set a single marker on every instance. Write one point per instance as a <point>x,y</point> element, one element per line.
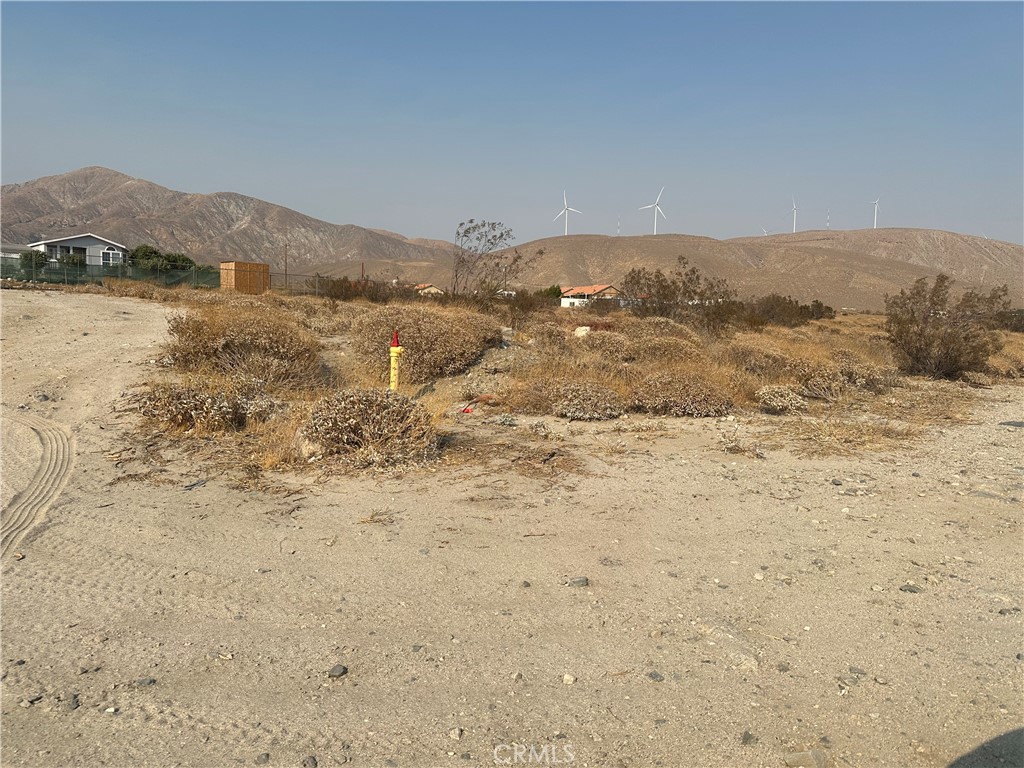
<point>72,275</point>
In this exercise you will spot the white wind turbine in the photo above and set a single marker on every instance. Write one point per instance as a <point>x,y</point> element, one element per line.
<point>565,212</point>
<point>875,203</point>
<point>657,210</point>
<point>794,215</point>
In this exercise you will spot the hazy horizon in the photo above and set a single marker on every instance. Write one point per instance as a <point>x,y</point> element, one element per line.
<point>414,117</point>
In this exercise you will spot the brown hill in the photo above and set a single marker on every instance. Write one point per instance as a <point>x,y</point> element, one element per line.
<point>851,269</point>
<point>209,228</point>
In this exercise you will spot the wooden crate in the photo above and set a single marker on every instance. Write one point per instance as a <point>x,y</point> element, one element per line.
<point>244,277</point>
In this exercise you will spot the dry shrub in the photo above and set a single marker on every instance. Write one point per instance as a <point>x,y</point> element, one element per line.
<point>666,350</point>
<point>372,428</point>
<point>645,329</point>
<point>606,344</point>
<point>975,379</point>
<point>586,401</point>
<point>208,405</point>
<point>437,342</point>
<point>687,393</point>
<point>864,375</point>
<point>758,357</point>
<point>263,345</point>
<point>818,380</point>
<point>779,400</point>
<point>546,336</point>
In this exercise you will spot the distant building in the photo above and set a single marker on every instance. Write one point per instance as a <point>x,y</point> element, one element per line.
<point>581,296</point>
<point>98,251</point>
<point>14,250</point>
<point>428,289</point>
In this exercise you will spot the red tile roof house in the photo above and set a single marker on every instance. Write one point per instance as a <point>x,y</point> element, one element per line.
<point>428,289</point>
<point>582,295</point>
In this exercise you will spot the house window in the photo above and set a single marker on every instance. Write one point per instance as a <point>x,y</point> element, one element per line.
<point>111,256</point>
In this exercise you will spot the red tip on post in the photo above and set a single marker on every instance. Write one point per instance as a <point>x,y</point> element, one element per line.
<point>394,339</point>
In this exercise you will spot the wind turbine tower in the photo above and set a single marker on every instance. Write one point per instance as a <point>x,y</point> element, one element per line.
<point>828,218</point>
<point>565,212</point>
<point>875,203</point>
<point>657,209</point>
<point>794,215</point>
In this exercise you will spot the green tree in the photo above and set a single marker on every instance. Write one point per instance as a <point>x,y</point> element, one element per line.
<point>33,261</point>
<point>941,338</point>
<point>147,256</point>
<point>71,259</point>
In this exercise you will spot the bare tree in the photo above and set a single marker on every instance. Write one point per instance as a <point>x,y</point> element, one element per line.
<point>482,259</point>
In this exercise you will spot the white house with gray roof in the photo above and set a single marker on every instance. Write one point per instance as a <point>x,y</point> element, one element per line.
<point>98,251</point>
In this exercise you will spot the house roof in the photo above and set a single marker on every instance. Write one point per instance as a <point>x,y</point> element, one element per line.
<point>585,290</point>
<point>421,286</point>
<point>14,247</point>
<point>73,237</point>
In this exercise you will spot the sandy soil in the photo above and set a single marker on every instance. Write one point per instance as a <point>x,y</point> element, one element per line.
<point>175,623</point>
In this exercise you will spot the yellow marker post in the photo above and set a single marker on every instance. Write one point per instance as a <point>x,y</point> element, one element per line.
<point>396,352</point>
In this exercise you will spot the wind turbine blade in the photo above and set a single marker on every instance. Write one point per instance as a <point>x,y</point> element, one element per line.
<point>573,210</point>
<point>559,214</point>
<point>645,207</point>
<point>658,209</point>
<point>659,196</point>
<point>565,200</point>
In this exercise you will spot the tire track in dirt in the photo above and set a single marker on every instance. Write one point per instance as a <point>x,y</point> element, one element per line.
<point>55,464</point>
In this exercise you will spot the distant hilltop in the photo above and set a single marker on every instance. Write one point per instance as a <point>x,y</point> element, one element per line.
<point>842,268</point>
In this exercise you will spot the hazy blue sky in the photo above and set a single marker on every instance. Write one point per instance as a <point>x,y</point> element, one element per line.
<point>413,117</point>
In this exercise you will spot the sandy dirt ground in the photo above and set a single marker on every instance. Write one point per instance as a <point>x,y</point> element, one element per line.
<point>737,610</point>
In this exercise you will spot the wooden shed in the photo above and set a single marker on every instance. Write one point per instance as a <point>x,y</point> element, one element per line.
<point>244,277</point>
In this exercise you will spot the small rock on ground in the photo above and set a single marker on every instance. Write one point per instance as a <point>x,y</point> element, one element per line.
<point>309,762</point>
<point>814,758</point>
<point>338,670</point>
<point>263,759</point>
<point>579,581</point>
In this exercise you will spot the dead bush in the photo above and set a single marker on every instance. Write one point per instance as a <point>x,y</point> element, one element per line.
<point>437,342</point>
<point>371,428</point>
<point>862,375</point>
<point>646,329</point>
<point>607,344</point>
<point>586,401</point>
<point>759,358</point>
<point>686,393</point>
<point>545,336</point>
<point>666,350</point>
<point>779,400</point>
<point>263,345</point>
<point>208,405</point>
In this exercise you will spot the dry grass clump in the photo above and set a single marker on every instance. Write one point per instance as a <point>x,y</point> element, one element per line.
<point>779,400</point>
<point>371,428</point>
<point>263,345</point>
<point>437,342</point>
<point>1008,362</point>
<point>645,329</point>
<point>606,344</point>
<point>545,336</point>
<point>207,405</point>
<point>586,401</point>
<point>667,350</point>
<point>686,393</point>
<point>134,289</point>
<point>758,357</point>
<point>829,436</point>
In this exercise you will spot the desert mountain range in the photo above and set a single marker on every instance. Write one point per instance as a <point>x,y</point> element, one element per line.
<point>843,268</point>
